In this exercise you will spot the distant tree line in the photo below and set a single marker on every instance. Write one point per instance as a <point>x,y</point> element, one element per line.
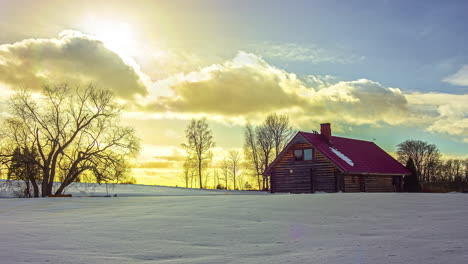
<point>431,171</point>
<point>65,134</point>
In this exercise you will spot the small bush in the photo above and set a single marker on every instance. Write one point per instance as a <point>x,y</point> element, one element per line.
<point>129,180</point>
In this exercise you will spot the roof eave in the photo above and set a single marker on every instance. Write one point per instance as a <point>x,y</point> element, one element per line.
<point>377,173</point>
<point>280,155</point>
<point>267,171</point>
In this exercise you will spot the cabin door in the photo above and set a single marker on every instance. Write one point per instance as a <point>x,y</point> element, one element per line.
<point>362,183</point>
<point>312,181</point>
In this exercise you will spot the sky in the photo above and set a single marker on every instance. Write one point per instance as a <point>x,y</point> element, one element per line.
<point>383,71</point>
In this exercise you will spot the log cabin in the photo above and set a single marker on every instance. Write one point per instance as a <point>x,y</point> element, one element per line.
<point>313,162</point>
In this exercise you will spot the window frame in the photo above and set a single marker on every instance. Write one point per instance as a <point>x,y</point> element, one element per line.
<point>312,154</point>
<point>303,154</point>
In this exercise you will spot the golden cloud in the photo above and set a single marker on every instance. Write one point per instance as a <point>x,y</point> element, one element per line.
<point>244,85</point>
<point>248,86</point>
<point>71,57</point>
<point>154,157</point>
<point>158,164</point>
<point>241,89</point>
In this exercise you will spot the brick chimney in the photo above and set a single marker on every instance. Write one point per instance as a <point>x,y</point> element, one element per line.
<point>325,131</point>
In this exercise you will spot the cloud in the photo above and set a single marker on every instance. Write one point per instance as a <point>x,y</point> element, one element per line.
<point>158,157</point>
<point>163,164</point>
<point>243,88</point>
<point>244,85</point>
<point>73,57</point>
<point>359,102</point>
<point>445,113</point>
<point>310,53</point>
<point>249,87</point>
<point>460,78</point>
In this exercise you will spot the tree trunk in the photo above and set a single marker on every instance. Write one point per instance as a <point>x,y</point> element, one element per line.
<point>27,192</point>
<point>69,179</point>
<point>51,181</point>
<point>35,188</point>
<point>199,173</point>
<point>45,185</point>
<point>265,183</point>
<point>234,178</point>
<point>60,189</point>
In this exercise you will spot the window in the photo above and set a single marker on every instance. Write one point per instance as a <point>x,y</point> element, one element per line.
<point>298,154</point>
<point>303,154</point>
<point>308,154</point>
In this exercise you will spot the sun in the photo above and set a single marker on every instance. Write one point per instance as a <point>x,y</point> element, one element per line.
<point>116,35</point>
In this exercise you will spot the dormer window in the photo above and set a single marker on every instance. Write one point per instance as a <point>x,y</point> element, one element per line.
<point>303,154</point>
<point>308,154</point>
<point>298,155</point>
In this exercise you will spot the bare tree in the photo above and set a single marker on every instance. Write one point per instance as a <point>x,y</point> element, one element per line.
<point>265,149</point>
<point>129,180</point>
<point>466,170</point>
<point>21,167</point>
<point>215,178</point>
<point>452,170</point>
<point>199,143</point>
<point>280,130</point>
<point>188,170</point>
<point>225,169</point>
<point>74,131</point>
<point>426,157</point>
<point>207,174</point>
<point>234,161</point>
<point>252,154</point>
<point>264,143</point>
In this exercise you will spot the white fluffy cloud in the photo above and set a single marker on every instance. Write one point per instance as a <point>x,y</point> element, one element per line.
<point>445,113</point>
<point>72,56</point>
<point>459,78</point>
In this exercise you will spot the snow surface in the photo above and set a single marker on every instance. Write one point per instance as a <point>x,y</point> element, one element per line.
<point>342,156</point>
<point>127,190</point>
<point>307,228</point>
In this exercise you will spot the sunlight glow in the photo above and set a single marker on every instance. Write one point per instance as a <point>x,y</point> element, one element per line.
<point>117,36</point>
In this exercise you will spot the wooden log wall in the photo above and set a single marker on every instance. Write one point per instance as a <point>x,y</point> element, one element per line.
<point>379,183</point>
<point>351,183</point>
<point>293,176</point>
<point>373,183</point>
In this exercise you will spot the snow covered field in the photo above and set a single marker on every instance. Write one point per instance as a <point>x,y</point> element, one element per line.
<point>191,228</point>
<point>127,190</point>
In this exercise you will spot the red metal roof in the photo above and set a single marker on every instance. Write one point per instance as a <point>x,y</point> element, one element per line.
<point>365,156</point>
